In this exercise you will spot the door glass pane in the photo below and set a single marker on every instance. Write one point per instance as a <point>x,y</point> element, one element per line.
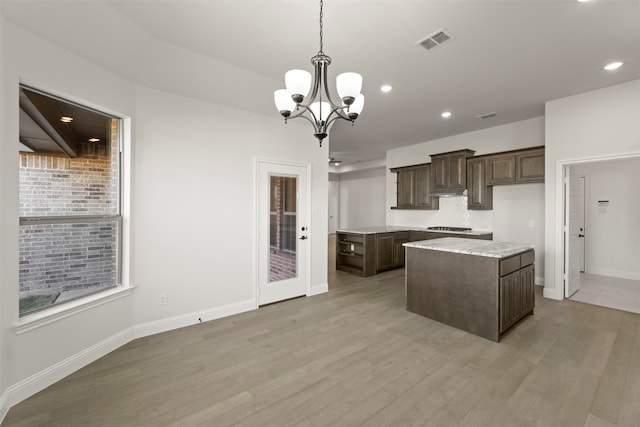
<point>282,229</point>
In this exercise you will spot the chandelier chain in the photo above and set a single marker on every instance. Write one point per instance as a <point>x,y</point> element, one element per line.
<point>321,15</point>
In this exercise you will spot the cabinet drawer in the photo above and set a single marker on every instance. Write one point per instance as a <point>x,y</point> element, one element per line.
<point>351,238</point>
<point>509,265</point>
<point>401,235</point>
<point>527,258</point>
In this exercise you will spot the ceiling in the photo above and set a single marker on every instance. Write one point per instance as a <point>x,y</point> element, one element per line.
<point>43,130</point>
<point>508,56</point>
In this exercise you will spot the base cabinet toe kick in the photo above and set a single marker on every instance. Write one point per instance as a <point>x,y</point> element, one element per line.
<point>481,290</point>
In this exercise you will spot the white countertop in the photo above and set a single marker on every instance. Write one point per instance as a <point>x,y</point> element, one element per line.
<point>486,248</point>
<point>395,228</point>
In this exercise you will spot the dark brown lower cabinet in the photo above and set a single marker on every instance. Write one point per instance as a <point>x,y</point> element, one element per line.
<point>479,294</point>
<point>517,298</point>
<point>384,252</point>
<point>368,254</point>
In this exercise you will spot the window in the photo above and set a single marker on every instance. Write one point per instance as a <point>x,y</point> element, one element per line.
<point>70,205</point>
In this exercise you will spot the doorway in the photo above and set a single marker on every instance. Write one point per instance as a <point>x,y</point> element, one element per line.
<point>608,272</point>
<point>283,237</point>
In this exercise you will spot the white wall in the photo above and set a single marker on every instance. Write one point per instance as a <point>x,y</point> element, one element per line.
<point>193,210</point>
<point>31,60</point>
<point>514,206</point>
<point>362,198</point>
<point>595,125</point>
<point>334,202</point>
<point>195,203</point>
<point>612,234</point>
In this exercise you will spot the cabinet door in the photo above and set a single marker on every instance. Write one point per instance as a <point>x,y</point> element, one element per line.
<point>398,252</point>
<point>527,283</point>
<point>501,169</point>
<point>457,171</point>
<point>439,166</point>
<point>384,252</point>
<point>406,188</point>
<point>479,194</point>
<point>530,166</point>
<point>423,188</point>
<point>510,301</point>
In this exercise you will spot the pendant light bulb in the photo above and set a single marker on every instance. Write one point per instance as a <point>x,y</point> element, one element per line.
<point>298,83</point>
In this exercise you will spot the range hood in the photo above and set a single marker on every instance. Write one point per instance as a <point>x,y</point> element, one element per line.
<point>448,192</point>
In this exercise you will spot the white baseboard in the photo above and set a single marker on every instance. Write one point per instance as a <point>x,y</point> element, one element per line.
<point>552,294</point>
<point>319,289</point>
<point>539,281</point>
<point>168,324</point>
<point>43,379</point>
<point>631,275</point>
<point>4,407</point>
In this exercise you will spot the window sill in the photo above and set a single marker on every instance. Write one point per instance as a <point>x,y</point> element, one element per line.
<point>45,317</point>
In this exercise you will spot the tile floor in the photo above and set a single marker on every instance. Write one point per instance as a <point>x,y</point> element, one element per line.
<point>621,294</point>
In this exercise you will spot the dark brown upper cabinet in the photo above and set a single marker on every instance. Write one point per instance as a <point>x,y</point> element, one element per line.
<point>414,187</point>
<point>479,194</point>
<point>449,171</point>
<point>514,167</point>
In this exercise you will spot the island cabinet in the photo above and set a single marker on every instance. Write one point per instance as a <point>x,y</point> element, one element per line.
<point>449,170</point>
<point>517,298</point>
<point>482,287</point>
<point>516,167</point>
<point>414,188</point>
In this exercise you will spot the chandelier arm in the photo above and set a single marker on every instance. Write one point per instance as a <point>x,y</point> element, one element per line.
<point>302,109</point>
<point>313,122</point>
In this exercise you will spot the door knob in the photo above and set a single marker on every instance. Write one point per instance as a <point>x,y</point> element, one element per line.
<point>580,235</point>
<point>303,238</point>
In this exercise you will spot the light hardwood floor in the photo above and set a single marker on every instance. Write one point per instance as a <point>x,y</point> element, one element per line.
<point>355,356</point>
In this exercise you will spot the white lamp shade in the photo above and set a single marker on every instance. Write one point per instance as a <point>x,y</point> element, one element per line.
<point>298,82</point>
<point>349,84</point>
<point>321,110</point>
<point>283,100</point>
<point>357,105</point>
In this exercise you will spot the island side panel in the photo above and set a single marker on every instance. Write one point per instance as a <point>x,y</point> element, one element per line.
<point>459,290</point>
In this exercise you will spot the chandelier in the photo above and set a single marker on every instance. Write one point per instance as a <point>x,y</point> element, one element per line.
<point>318,108</point>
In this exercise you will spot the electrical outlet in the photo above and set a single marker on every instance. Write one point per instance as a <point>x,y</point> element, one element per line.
<point>162,299</point>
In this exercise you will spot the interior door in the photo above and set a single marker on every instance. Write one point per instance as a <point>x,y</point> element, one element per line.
<point>574,199</point>
<point>283,231</point>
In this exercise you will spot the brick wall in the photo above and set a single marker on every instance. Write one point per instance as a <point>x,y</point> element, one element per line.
<point>69,256</point>
<point>282,265</point>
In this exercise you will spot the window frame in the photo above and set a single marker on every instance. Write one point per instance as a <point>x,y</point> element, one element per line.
<point>51,313</point>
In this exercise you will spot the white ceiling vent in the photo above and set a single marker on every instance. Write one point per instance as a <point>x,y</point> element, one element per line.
<point>435,39</point>
<point>487,115</point>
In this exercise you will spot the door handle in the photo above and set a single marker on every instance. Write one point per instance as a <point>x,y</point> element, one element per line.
<point>303,238</point>
<point>580,235</point>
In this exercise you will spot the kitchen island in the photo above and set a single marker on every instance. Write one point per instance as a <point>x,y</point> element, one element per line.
<point>482,287</point>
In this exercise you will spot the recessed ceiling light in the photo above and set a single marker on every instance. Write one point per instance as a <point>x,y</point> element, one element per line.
<point>446,114</point>
<point>582,1</point>
<point>94,140</point>
<point>613,66</point>
<point>66,119</point>
<point>386,88</point>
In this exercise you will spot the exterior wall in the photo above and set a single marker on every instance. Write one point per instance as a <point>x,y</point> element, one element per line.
<point>62,257</point>
<point>596,125</point>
